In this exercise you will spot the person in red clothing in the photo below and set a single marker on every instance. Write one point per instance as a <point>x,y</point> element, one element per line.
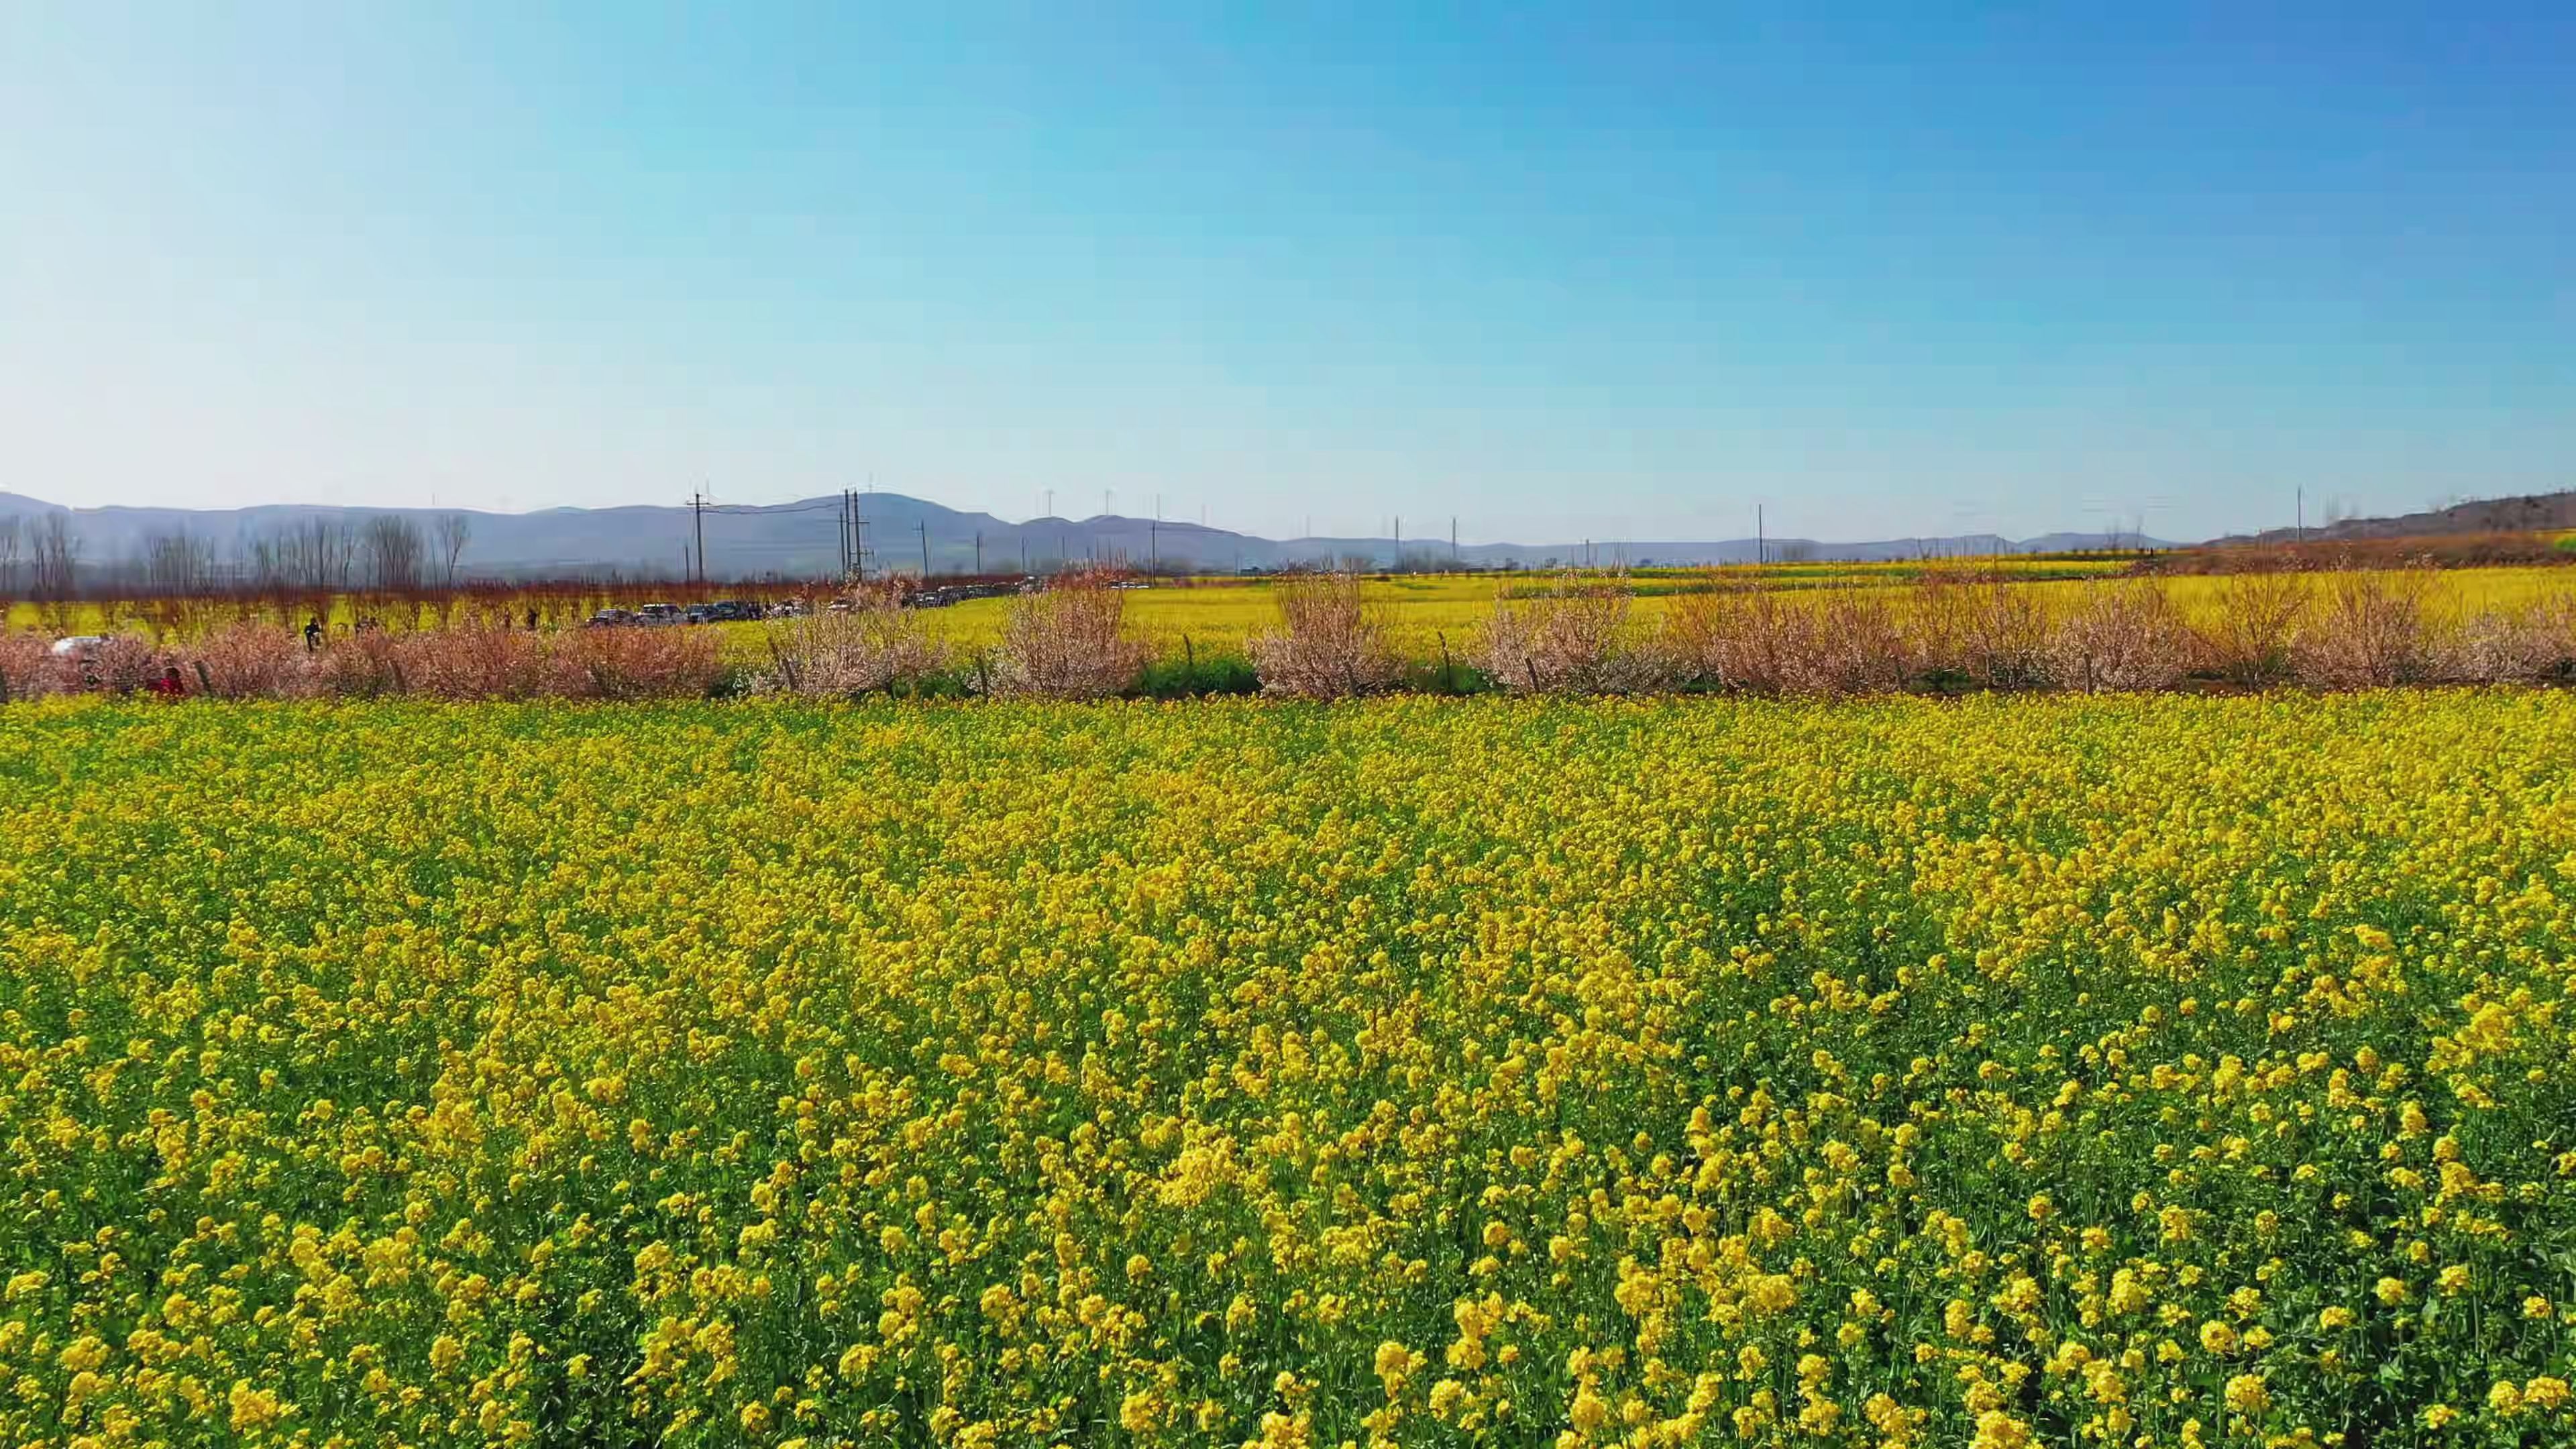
<point>168,685</point>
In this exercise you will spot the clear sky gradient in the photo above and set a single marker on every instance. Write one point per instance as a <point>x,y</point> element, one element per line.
<point>1560,271</point>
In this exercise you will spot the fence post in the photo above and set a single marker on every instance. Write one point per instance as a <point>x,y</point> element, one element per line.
<point>1448,680</point>
<point>205,681</point>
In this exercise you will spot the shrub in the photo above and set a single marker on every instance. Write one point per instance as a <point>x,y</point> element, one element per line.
<point>634,663</point>
<point>250,661</point>
<point>2252,625</point>
<point>127,663</point>
<point>1986,632</point>
<point>1860,647</point>
<point>1573,639</point>
<point>471,663</point>
<point>1768,642</point>
<point>28,668</point>
<point>363,665</point>
<point>1069,642</point>
<point>1735,638</point>
<point>2123,636</point>
<point>876,644</point>
<point>2524,643</point>
<point>1329,644</point>
<point>2372,629</point>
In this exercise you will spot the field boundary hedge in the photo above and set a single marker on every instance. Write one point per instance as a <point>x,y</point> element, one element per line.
<point>2349,629</point>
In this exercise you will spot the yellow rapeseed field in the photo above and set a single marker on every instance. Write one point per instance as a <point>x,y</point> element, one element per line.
<point>1420,613</point>
<point>2154,1071</point>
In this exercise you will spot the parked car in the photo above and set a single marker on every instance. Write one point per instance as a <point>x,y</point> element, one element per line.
<point>658,614</point>
<point>78,646</point>
<point>611,619</point>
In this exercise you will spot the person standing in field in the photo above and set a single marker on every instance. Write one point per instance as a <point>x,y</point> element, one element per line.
<point>312,634</point>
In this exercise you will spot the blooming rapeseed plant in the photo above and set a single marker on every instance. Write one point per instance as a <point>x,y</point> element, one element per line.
<point>2118,1070</point>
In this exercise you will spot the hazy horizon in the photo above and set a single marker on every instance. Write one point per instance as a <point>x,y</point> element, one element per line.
<point>1560,272</point>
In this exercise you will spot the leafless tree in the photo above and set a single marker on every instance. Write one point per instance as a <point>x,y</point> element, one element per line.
<point>56,569</point>
<point>177,563</point>
<point>11,534</point>
<point>454,531</point>
<point>394,550</point>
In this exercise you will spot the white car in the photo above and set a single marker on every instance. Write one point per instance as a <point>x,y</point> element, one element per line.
<point>78,646</point>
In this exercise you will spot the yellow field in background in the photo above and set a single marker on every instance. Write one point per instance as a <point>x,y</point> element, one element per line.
<point>1420,611</point>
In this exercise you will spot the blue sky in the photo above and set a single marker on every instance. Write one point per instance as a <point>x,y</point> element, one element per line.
<point>1559,271</point>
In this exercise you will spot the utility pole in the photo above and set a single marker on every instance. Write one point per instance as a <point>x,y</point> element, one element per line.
<point>1453,542</point>
<point>841,524</point>
<point>698,513</point>
<point>1050,493</point>
<point>1760,554</point>
<point>922,527</point>
<point>1154,539</point>
<point>2300,513</point>
<point>979,552</point>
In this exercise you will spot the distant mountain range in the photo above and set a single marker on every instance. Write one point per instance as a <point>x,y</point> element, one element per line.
<point>802,540</point>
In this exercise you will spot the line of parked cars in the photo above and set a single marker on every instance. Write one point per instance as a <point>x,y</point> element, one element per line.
<point>947,594</point>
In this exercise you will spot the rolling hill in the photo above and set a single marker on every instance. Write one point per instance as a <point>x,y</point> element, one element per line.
<point>801,540</point>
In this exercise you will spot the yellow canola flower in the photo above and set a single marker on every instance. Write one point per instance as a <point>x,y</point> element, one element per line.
<point>1907,1071</point>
